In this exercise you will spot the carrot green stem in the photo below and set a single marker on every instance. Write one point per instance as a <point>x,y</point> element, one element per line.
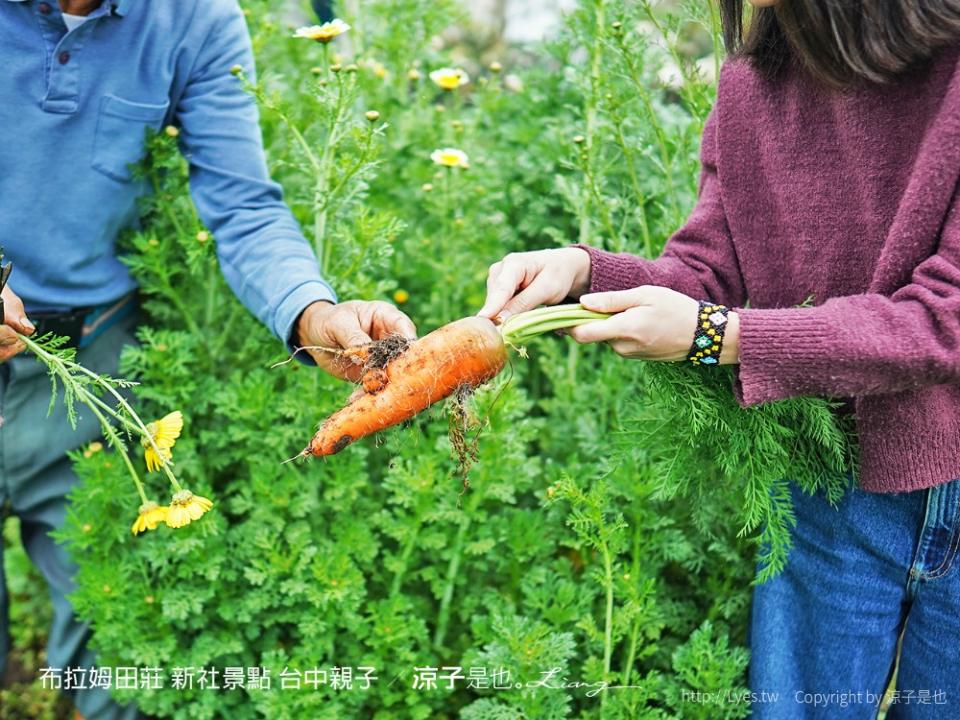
<point>518,329</point>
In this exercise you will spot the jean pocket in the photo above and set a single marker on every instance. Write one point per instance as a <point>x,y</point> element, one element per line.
<point>121,133</point>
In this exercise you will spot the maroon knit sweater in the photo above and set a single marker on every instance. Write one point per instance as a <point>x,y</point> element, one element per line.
<point>851,199</point>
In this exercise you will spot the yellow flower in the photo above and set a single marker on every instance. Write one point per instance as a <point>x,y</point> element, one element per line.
<point>92,449</point>
<point>401,296</point>
<point>450,157</point>
<point>171,131</point>
<point>164,432</point>
<point>186,507</point>
<point>150,516</point>
<point>449,78</point>
<point>323,33</point>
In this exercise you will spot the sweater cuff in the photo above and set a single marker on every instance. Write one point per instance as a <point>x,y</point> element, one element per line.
<point>782,351</point>
<point>611,271</point>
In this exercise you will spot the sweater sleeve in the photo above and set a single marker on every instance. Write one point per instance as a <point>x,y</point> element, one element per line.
<point>859,345</point>
<point>698,260</point>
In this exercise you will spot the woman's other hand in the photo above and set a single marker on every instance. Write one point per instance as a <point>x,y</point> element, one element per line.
<point>650,323</point>
<point>523,281</point>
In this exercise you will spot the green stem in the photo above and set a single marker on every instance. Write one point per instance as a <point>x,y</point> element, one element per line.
<point>635,628</point>
<point>640,196</point>
<point>123,454</point>
<point>608,619</point>
<point>591,113</point>
<point>443,617</point>
<point>91,398</point>
<point>404,561</point>
<point>322,182</point>
<point>520,328</point>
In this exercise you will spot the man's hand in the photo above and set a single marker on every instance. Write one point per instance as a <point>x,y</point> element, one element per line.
<point>14,321</point>
<point>347,325</point>
<point>523,281</point>
<point>651,323</point>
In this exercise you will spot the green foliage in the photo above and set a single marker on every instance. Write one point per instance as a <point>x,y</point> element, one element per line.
<point>570,553</point>
<point>698,439</point>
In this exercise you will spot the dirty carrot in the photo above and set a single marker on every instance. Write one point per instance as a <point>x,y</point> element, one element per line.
<point>403,379</point>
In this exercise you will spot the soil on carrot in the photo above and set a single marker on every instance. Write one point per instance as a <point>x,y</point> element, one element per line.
<point>382,352</point>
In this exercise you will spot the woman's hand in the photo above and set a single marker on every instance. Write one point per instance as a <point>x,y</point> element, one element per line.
<point>523,281</point>
<point>651,323</point>
<point>14,321</point>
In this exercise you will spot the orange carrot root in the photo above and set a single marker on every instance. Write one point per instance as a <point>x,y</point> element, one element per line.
<point>465,353</point>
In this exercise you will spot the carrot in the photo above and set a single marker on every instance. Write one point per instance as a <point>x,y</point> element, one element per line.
<point>403,380</point>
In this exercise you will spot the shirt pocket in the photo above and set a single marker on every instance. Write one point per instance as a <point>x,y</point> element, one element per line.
<point>120,135</point>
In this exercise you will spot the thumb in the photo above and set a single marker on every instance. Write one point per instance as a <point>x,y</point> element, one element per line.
<point>614,302</point>
<point>13,313</point>
<point>535,294</point>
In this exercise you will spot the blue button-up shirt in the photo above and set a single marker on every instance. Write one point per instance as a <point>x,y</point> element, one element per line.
<point>74,107</point>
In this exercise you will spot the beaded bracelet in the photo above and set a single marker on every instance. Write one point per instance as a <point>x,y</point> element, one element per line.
<point>708,337</point>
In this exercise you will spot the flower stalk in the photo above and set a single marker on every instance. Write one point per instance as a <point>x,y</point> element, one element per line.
<point>77,382</point>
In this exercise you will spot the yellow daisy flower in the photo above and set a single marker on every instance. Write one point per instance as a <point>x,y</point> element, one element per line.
<point>323,33</point>
<point>449,78</point>
<point>164,432</point>
<point>450,157</point>
<point>401,296</point>
<point>150,516</point>
<point>186,507</point>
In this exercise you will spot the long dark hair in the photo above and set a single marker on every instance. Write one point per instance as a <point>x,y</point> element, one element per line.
<point>842,42</point>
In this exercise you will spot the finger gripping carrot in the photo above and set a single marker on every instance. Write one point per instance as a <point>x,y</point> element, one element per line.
<point>465,353</point>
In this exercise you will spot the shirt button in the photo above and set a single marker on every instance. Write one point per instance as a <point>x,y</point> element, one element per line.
<point>44,8</point>
<point>64,57</point>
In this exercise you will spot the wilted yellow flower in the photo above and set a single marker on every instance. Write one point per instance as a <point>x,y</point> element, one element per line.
<point>401,296</point>
<point>323,33</point>
<point>150,516</point>
<point>449,78</point>
<point>495,67</point>
<point>171,131</point>
<point>203,236</point>
<point>92,449</point>
<point>450,157</point>
<point>164,433</point>
<point>372,115</point>
<point>185,507</point>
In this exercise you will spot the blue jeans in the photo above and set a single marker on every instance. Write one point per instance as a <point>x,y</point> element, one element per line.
<point>824,633</point>
<point>35,477</point>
